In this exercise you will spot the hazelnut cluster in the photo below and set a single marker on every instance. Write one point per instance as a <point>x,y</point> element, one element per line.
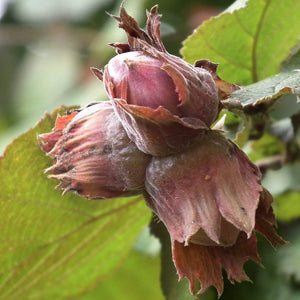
<point>154,137</point>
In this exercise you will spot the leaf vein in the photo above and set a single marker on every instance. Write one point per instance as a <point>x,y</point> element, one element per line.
<point>47,205</point>
<point>255,77</point>
<point>244,28</point>
<point>43,274</point>
<point>219,53</point>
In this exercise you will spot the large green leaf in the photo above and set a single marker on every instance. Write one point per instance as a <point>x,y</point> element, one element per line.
<point>137,278</point>
<point>52,246</point>
<point>250,41</point>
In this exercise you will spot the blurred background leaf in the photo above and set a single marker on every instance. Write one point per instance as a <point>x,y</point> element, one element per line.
<point>279,279</point>
<point>284,186</point>
<point>76,10</point>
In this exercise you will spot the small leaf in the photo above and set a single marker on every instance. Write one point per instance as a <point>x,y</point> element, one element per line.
<point>54,246</point>
<point>250,42</point>
<point>261,95</point>
<point>235,127</point>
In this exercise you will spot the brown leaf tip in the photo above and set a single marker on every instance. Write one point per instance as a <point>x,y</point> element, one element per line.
<point>98,73</point>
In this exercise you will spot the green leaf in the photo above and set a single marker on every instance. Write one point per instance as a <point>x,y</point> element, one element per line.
<point>235,127</point>
<point>287,206</point>
<point>261,95</point>
<point>267,146</point>
<point>136,279</point>
<point>285,107</point>
<point>293,60</point>
<point>52,246</point>
<point>250,42</point>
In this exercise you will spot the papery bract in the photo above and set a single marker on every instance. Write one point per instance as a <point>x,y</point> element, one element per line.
<point>211,201</point>
<point>152,79</point>
<point>203,263</point>
<point>94,156</point>
<point>206,187</point>
<point>139,79</point>
<point>52,137</point>
<point>158,132</point>
<point>145,82</point>
<point>207,260</point>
